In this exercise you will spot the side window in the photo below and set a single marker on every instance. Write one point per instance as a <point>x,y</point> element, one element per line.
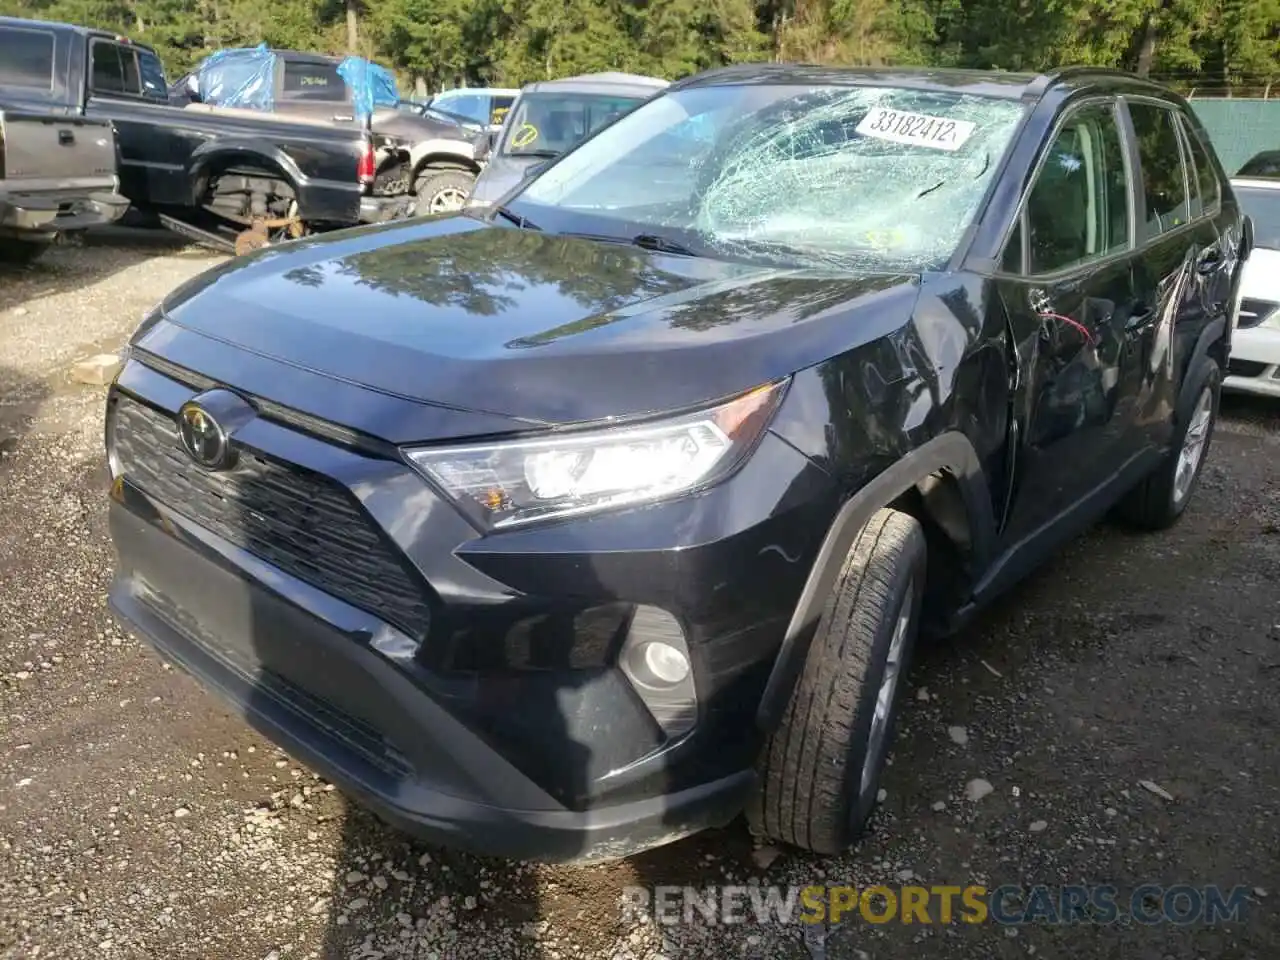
<point>1206,176</point>
<point>499,107</point>
<point>116,70</point>
<point>473,106</point>
<point>1078,208</point>
<point>107,67</point>
<point>1160,155</point>
<point>154,84</point>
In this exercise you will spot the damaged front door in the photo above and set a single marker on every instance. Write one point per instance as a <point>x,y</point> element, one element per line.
<point>1071,295</point>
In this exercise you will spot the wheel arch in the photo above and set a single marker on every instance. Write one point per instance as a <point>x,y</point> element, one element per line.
<point>942,484</point>
<point>440,156</point>
<point>1212,344</point>
<point>213,158</point>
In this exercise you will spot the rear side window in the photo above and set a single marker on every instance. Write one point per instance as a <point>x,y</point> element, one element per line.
<point>314,81</point>
<point>124,70</point>
<point>26,58</point>
<point>1078,209</point>
<point>1205,177</point>
<point>109,69</point>
<point>1164,185</point>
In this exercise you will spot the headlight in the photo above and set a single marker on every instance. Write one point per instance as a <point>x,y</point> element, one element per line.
<point>520,481</point>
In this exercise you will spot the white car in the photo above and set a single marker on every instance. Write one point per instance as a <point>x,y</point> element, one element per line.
<point>1255,347</point>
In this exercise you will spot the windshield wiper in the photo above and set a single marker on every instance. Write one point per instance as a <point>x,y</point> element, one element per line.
<point>524,223</point>
<point>534,154</point>
<point>647,241</point>
<point>651,241</point>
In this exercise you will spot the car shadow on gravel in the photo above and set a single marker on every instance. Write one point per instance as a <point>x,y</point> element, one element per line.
<point>20,400</point>
<point>85,259</point>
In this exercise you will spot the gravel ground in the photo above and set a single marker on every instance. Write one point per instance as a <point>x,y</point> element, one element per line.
<point>138,818</point>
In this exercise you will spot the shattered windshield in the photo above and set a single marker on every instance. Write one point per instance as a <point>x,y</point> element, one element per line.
<point>862,177</point>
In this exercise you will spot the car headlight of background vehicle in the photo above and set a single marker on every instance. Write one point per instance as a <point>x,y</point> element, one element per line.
<point>514,482</point>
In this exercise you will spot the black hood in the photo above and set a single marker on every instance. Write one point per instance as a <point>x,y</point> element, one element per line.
<point>523,324</point>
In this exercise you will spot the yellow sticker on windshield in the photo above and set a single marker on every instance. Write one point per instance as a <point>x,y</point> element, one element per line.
<point>526,135</point>
<point>916,129</point>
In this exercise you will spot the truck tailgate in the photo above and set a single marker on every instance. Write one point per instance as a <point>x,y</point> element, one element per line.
<point>43,152</point>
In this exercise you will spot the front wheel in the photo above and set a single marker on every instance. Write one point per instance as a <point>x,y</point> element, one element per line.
<point>1159,500</point>
<point>442,191</point>
<point>820,770</point>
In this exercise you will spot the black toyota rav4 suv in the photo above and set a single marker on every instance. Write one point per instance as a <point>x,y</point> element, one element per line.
<point>574,526</point>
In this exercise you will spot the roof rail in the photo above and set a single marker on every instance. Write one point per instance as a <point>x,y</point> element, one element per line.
<point>1037,87</point>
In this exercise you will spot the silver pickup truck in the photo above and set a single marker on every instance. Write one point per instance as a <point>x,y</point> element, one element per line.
<point>57,172</point>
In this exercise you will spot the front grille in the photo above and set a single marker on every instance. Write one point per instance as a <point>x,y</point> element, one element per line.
<point>1253,312</point>
<point>296,520</point>
<point>1246,368</point>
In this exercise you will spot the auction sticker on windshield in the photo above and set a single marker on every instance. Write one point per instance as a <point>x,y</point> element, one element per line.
<point>916,129</point>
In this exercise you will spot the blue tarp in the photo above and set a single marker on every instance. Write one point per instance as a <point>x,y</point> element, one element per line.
<point>245,77</point>
<point>241,77</point>
<point>371,85</point>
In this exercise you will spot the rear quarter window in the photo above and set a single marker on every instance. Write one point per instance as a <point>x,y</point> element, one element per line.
<point>314,82</point>
<point>26,58</point>
<point>1205,177</point>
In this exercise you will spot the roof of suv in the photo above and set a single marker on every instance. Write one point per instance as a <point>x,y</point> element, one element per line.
<point>624,84</point>
<point>991,83</point>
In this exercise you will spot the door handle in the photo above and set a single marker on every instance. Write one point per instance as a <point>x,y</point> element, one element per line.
<point>1209,261</point>
<point>66,138</point>
<point>1140,316</point>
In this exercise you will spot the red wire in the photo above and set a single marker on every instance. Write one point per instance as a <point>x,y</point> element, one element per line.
<point>1079,327</point>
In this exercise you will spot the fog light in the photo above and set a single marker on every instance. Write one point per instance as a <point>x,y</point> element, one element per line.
<point>667,664</point>
<point>655,658</point>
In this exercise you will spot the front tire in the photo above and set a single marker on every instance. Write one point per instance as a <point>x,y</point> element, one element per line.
<point>1159,500</point>
<point>442,191</point>
<point>820,770</point>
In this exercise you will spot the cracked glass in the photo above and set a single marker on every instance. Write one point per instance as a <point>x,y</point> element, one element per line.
<point>863,177</point>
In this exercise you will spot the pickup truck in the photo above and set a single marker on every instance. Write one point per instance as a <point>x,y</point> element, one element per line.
<point>57,172</point>
<point>444,151</point>
<point>206,170</point>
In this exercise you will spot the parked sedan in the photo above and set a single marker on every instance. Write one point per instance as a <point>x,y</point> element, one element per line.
<point>567,528</point>
<point>1255,351</point>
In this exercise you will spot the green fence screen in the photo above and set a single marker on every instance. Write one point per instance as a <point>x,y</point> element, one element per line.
<point>1240,128</point>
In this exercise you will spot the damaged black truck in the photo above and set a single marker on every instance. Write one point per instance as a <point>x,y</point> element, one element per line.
<point>236,177</point>
<point>567,528</point>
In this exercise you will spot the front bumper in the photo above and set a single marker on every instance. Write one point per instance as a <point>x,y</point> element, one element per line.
<point>1255,362</point>
<point>506,728</point>
<point>383,209</point>
<point>448,786</point>
<point>56,213</point>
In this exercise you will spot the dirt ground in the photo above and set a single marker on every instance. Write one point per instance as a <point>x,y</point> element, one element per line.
<point>139,818</point>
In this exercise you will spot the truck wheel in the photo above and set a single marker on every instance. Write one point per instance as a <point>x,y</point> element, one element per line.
<point>442,191</point>
<point>1159,500</point>
<point>820,770</point>
<point>20,252</point>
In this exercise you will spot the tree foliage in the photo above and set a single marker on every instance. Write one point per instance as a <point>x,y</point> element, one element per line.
<point>1228,44</point>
